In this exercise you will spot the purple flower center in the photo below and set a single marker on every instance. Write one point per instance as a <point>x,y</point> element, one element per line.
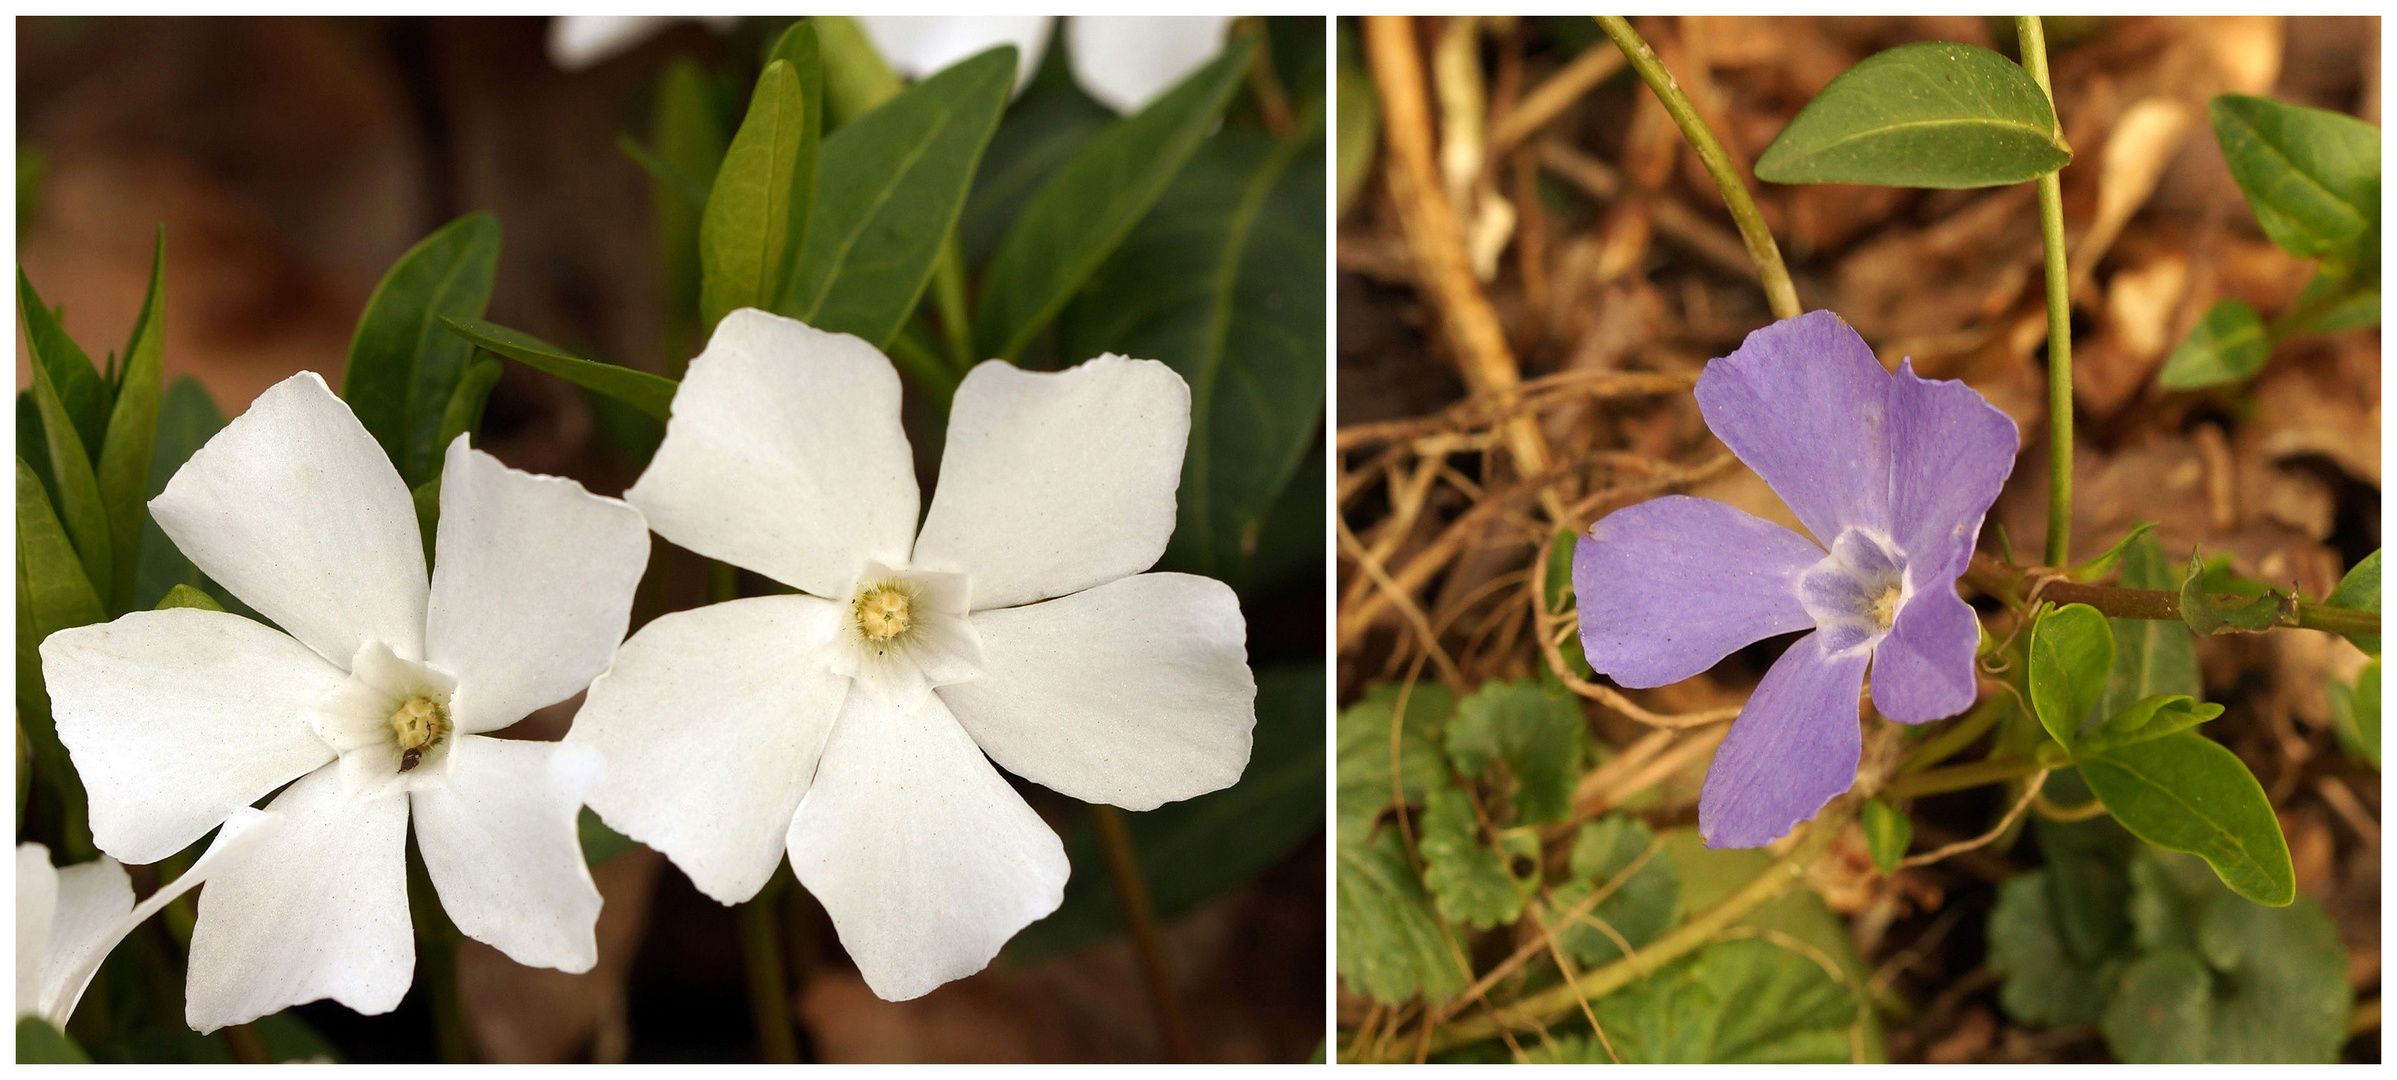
<point>1854,594</point>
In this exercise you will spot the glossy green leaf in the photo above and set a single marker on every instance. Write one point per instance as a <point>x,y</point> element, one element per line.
<point>2312,177</point>
<point>1888,832</point>
<point>1360,121</point>
<point>52,589</point>
<point>1366,758</point>
<point>2185,792</point>
<point>83,396</point>
<point>124,470</point>
<point>1067,230</point>
<point>894,182</point>
<point>1044,129</point>
<point>2205,613</point>
<point>688,132</point>
<point>1389,946</point>
<point>2106,561</point>
<point>1739,1002</point>
<point>185,596</point>
<point>2045,986</point>
<point>1933,114</point>
<point>40,1044</point>
<point>1524,733</point>
<point>2151,656</point>
<point>1223,281</point>
<point>2149,718</point>
<point>756,219</point>
<point>403,367</point>
<point>649,393</point>
<point>1640,909</point>
<point>2227,346</point>
<point>856,80</point>
<point>2072,651</point>
<point>187,419</point>
<point>55,395</point>
<point>2360,589</point>
<point>1468,880</point>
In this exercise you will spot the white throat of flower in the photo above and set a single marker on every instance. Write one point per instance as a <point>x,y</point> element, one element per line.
<point>903,632</point>
<point>1856,592</point>
<point>389,721</point>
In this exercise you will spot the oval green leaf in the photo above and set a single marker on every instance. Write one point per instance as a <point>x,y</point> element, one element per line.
<point>1934,114</point>
<point>2360,589</point>
<point>2312,177</point>
<point>2226,346</point>
<point>2185,792</point>
<point>2072,652</point>
<point>55,381</point>
<point>403,367</point>
<point>649,393</point>
<point>755,223</point>
<point>1888,832</point>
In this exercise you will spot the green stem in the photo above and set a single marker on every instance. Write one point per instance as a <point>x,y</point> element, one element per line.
<point>1997,579</point>
<point>948,297</point>
<point>1963,733</point>
<point>2059,317</point>
<point>1555,1003</point>
<point>1779,293</point>
<point>1960,777</point>
<point>437,944</point>
<point>1140,917</point>
<point>769,994</point>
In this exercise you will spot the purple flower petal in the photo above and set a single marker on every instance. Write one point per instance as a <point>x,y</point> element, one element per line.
<point>1801,402</point>
<point>1950,452</point>
<point>1793,747</point>
<point>1924,669</point>
<point>1670,586</point>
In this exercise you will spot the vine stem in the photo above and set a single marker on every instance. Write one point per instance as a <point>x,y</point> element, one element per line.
<point>2059,315</point>
<point>2002,581</point>
<point>1140,917</point>
<point>1779,293</point>
<point>1960,777</point>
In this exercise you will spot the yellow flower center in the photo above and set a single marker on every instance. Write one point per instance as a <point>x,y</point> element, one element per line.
<point>418,725</point>
<point>884,612</point>
<point>1885,606</point>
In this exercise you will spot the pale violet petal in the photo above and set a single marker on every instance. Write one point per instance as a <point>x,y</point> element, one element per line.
<point>1134,693</point>
<point>177,718</point>
<point>1804,403</point>
<point>1794,746</point>
<point>294,509</point>
<point>37,909</point>
<point>1125,61</point>
<point>1669,587</point>
<point>920,45</point>
<point>318,909</point>
<point>1950,452</point>
<point>1053,482</point>
<point>1924,669</point>
<point>711,721</point>
<point>925,858</point>
<point>499,841</point>
<point>96,910</point>
<point>533,583</point>
<point>785,456</point>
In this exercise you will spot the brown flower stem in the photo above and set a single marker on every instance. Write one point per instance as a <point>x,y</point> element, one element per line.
<point>1140,917</point>
<point>2008,583</point>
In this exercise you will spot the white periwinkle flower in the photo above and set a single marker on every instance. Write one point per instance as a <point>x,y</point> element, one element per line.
<point>849,723</point>
<point>1124,61</point>
<point>369,704</point>
<point>581,41</point>
<point>69,918</point>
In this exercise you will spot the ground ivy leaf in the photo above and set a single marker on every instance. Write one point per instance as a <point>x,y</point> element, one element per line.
<point>1640,909</point>
<point>2360,589</point>
<point>2151,656</point>
<point>1935,114</point>
<point>403,367</point>
<point>2185,792</point>
<point>2228,345</point>
<point>2088,883</point>
<point>1390,948</point>
<point>2311,176</point>
<point>2072,651</point>
<point>1743,1001</point>
<point>2046,985</point>
<point>1534,732</point>
<point>1364,754</point>
<point>1467,879</point>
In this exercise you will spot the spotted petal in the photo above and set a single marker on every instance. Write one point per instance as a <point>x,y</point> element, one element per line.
<point>1793,748</point>
<point>1668,587</point>
<point>1803,403</point>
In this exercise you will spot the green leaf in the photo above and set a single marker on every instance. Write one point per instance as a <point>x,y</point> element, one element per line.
<point>1535,734</point>
<point>40,1044</point>
<point>1074,223</point>
<point>2098,567</point>
<point>83,395</point>
<point>687,127</point>
<point>2360,589</point>
<point>1557,582</point>
<point>894,182</point>
<point>2088,883</point>
<point>2355,713</point>
<point>1223,281</point>
<point>2312,177</point>
<point>2239,983</point>
<point>1360,121</point>
<point>2184,792</point>
<point>1389,947</point>
<point>1738,1002</point>
<point>403,368</point>
<point>2149,718</point>
<point>2347,300</point>
<point>1468,880</point>
<point>2072,651</point>
<point>1888,832</point>
<point>1640,909</point>
<point>1934,114</point>
<point>2205,614</point>
<point>856,80</point>
<point>124,473</point>
<point>2227,346</point>
<point>649,393</point>
<point>187,419</point>
<point>755,223</point>
<point>599,842</point>
<point>2046,985</point>
<point>184,596</point>
<point>63,382</point>
<point>1366,757</point>
<point>464,413</point>
<point>2151,656</point>
<point>52,589</point>
<point>1045,128</point>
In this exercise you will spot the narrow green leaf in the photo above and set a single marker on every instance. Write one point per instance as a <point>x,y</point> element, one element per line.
<point>2360,589</point>
<point>649,393</point>
<point>1888,832</point>
<point>755,223</point>
<point>2226,346</point>
<point>1045,128</point>
<point>185,596</point>
<point>1933,114</point>
<point>187,419</point>
<point>2072,651</point>
<point>80,507</point>
<point>83,395</point>
<point>402,366</point>
<point>464,413</point>
<point>2207,614</point>
<point>427,500</point>
<point>1390,948</point>
<point>688,130</point>
<point>1536,736</point>
<point>2098,567</point>
<point>1076,220</point>
<point>856,80</point>
<point>2312,177</point>
<point>124,473</point>
<point>894,183</point>
<point>1223,281</point>
<point>672,181</point>
<point>51,582</point>
<point>2185,792</point>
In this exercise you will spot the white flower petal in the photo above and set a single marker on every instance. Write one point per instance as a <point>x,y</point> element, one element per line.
<point>177,718</point>
<point>317,909</point>
<point>37,907</point>
<point>1125,61</point>
<point>295,509</point>
<point>1134,693</point>
<point>925,858</point>
<point>711,721</point>
<point>533,583</point>
<point>1053,482</point>
<point>921,45</point>
<point>785,456</point>
<point>500,843</point>
<point>581,41</point>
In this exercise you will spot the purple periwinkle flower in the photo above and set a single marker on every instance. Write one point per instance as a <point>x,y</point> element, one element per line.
<point>1895,472</point>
